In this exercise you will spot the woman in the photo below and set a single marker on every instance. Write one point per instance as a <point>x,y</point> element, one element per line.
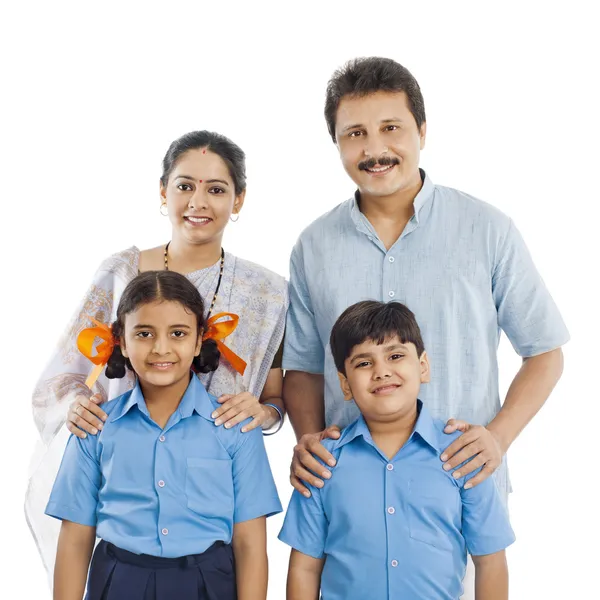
<point>203,184</point>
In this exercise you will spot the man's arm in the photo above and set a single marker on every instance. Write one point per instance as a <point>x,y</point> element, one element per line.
<point>251,563</point>
<point>304,576</point>
<point>491,576</point>
<point>303,395</point>
<point>527,394</point>
<point>75,546</point>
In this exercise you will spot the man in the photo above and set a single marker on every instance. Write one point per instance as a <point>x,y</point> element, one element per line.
<point>459,264</point>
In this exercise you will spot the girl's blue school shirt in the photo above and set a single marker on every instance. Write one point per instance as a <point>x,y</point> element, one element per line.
<point>165,492</point>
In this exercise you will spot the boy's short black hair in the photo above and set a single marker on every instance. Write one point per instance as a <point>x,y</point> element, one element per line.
<point>376,321</point>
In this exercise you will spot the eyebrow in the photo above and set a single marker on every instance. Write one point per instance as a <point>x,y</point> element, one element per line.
<point>205,181</point>
<point>177,326</point>
<point>385,349</point>
<point>358,125</point>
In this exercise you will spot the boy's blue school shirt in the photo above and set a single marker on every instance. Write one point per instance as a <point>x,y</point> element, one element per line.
<point>165,492</point>
<point>397,528</point>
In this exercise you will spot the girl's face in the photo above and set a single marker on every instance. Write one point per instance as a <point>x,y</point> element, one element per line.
<point>200,196</point>
<point>161,339</point>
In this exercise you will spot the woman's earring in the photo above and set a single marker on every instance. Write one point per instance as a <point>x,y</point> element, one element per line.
<point>235,220</point>
<point>165,212</point>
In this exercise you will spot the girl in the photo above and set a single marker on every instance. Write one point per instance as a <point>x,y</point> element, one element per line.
<point>165,490</point>
<point>202,185</point>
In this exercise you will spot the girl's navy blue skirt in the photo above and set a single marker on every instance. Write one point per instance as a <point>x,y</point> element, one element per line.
<point>117,574</point>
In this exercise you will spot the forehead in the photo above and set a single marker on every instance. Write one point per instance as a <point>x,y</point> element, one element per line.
<point>373,347</point>
<point>201,165</point>
<point>375,107</point>
<point>161,313</point>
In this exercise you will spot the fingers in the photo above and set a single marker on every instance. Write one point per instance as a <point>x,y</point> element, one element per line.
<point>470,466</point>
<point>229,402</point>
<point>224,398</point>
<point>240,409</point>
<point>91,405</point>
<point>459,443</point>
<point>332,432</point>
<point>304,476</point>
<point>304,453</point>
<point>76,431</point>
<point>469,451</point>
<point>256,422</point>
<point>81,417</point>
<point>481,476</point>
<point>298,486</point>
<point>456,425</point>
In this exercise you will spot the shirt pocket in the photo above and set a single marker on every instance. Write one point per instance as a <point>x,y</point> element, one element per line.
<point>432,508</point>
<point>209,487</point>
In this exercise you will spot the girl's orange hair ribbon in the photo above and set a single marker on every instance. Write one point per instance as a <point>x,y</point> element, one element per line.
<point>85,344</point>
<point>217,331</point>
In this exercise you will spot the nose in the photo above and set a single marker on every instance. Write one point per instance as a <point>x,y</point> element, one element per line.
<point>161,345</point>
<point>375,146</point>
<point>197,200</point>
<point>381,371</point>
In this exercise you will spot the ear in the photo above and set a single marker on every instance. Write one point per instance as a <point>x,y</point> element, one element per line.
<point>163,193</point>
<point>425,371</point>
<point>238,203</point>
<point>123,347</point>
<point>423,134</point>
<point>198,344</point>
<point>345,385</point>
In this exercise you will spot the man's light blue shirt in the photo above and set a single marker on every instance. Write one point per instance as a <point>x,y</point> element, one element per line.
<point>397,528</point>
<point>165,492</point>
<point>460,265</point>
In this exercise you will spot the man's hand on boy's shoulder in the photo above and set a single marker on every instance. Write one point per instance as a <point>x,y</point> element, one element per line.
<point>477,445</point>
<point>305,466</point>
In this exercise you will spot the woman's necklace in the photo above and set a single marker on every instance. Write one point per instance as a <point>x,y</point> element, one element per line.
<point>218,282</point>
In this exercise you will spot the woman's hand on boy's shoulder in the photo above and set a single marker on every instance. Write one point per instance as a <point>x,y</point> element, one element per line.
<point>237,408</point>
<point>85,415</point>
<point>478,445</point>
<point>305,466</point>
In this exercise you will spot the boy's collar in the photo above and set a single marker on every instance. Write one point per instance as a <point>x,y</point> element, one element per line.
<point>424,427</point>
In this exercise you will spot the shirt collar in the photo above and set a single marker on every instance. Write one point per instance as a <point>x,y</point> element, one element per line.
<point>195,398</point>
<point>421,199</point>
<point>424,428</point>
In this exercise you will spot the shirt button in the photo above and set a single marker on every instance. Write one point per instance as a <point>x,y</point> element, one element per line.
<point>394,563</point>
<point>161,483</point>
<point>165,531</point>
<point>161,438</point>
<point>390,467</point>
<point>391,259</point>
<point>391,294</point>
<point>391,510</point>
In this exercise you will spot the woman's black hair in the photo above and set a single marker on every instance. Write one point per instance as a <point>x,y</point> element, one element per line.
<point>153,286</point>
<point>233,156</point>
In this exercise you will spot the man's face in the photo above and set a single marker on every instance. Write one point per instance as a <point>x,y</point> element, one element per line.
<point>379,142</point>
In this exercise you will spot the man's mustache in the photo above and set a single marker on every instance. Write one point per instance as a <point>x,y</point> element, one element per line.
<point>384,161</point>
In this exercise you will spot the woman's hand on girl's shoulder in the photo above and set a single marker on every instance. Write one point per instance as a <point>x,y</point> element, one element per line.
<point>238,408</point>
<point>85,415</point>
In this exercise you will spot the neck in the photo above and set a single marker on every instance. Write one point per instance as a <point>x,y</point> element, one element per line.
<point>162,401</point>
<point>391,434</point>
<point>397,206</point>
<point>185,257</point>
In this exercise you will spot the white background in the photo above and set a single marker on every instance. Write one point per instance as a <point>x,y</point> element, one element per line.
<point>95,92</point>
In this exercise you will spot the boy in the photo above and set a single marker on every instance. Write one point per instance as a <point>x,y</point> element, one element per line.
<point>391,523</point>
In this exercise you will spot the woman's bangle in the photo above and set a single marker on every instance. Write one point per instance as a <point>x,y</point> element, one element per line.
<point>280,419</point>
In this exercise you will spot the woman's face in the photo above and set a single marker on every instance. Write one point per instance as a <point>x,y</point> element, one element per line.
<point>200,196</point>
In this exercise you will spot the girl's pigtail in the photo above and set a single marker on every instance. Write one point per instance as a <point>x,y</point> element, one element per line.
<point>117,364</point>
<point>208,359</point>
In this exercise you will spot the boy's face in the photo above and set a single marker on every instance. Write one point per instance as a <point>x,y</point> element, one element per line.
<point>384,379</point>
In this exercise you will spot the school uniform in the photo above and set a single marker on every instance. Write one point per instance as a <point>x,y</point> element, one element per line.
<point>164,501</point>
<point>397,528</point>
